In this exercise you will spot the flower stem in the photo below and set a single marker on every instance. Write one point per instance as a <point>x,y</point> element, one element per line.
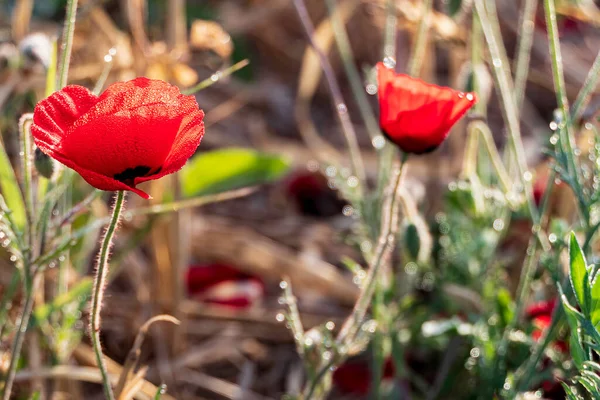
<point>67,43</point>
<point>389,226</point>
<point>98,294</point>
<point>524,50</point>
<point>358,168</point>
<point>418,54</point>
<point>589,86</point>
<point>30,288</point>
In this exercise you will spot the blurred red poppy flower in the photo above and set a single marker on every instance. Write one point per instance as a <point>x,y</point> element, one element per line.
<point>415,115</point>
<point>540,314</point>
<point>354,377</point>
<point>312,195</point>
<point>135,131</point>
<point>224,285</point>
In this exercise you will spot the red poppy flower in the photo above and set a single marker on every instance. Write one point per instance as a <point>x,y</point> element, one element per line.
<point>354,377</point>
<point>415,115</point>
<point>224,285</point>
<point>133,132</point>
<point>312,195</point>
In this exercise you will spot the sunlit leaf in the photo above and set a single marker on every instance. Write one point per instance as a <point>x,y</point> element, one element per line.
<point>10,190</point>
<point>579,275</point>
<point>220,170</point>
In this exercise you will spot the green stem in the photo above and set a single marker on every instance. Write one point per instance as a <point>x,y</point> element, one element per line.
<point>385,244</point>
<point>588,87</point>
<point>358,168</point>
<point>343,43</point>
<point>525,36</point>
<point>567,136</point>
<point>418,54</point>
<point>388,152</point>
<point>24,123</point>
<point>509,110</point>
<point>30,288</point>
<point>67,43</point>
<point>98,293</point>
<point>214,78</point>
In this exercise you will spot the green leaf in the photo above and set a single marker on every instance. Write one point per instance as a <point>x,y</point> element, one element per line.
<point>11,191</point>
<point>579,275</point>
<point>574,319</point>
<point>221,170</point>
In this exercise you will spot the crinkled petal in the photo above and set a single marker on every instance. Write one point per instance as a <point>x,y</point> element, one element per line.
<point>54,116</point>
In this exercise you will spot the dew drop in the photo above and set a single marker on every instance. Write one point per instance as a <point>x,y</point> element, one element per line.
<point>331,171</point>
<point>214,77</point>
<point>371,89</point>
<point>497,62</point>
<point>352,182</point>
<point>283,285</point>
<point>330,325</point>
<point>474,352</point>
<point>341,108</point>
<point>553,125</point>
<point>13,258</point>
<point>552,238</point>
<point>389,62</point>
<point>365,246</point>
<point>280,317</point>
<point>528,176</point>
<point>378,142</point>
<point>348,211</point>
<point>326,355</point>
<point>108,58</point>
<point>410,268</point>
<point>588,126</point>
<point>470,97</point>
<point>461,95</point>
<point>553,139</point>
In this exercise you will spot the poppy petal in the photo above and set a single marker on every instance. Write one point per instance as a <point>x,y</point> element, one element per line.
<point>135,131</point>
<point>415,115</point>
<point>54,115</point>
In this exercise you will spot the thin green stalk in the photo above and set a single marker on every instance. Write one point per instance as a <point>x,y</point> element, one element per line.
<point>22,325</point>
<point>567,136</point>
<point>418,53</point>
<point>509,110</point>
<point>214,78</point>
<point>477,60</point>
<point>7,296</point>
<point>25,138</point>
<point>391,22</point>
<point>589,86</point>
<point>98,292</point>
<point>525,36</point>
<point>389,226</point>
<point>358,168</point>
<point>343,43</point>
<point>67,43</point>
<point>388,151</point>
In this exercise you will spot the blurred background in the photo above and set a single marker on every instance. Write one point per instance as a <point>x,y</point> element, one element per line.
<point>218,268</point>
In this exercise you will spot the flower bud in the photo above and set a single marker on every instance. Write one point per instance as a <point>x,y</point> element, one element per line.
<point>43,163</point>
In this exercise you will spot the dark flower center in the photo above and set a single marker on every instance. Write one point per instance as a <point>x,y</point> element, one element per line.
<point>128,176</point>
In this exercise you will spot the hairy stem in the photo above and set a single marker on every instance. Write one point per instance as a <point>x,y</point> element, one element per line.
<point>389,225</point>
<point>98,293</point>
